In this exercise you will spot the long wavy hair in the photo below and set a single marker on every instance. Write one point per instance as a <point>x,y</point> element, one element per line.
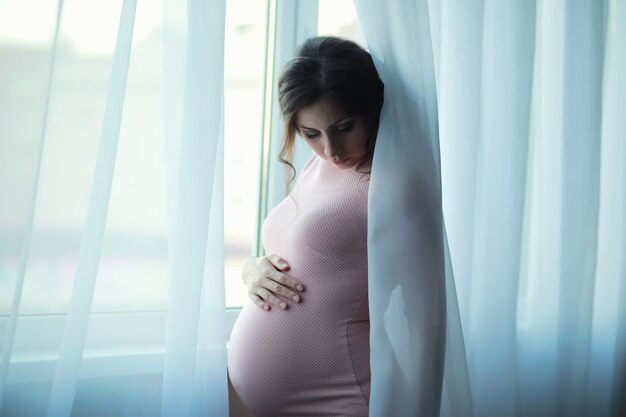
<point>336,68</point>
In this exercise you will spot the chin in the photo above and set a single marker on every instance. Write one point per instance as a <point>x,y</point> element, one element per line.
<point>346,165</point>
<point>342,166</point>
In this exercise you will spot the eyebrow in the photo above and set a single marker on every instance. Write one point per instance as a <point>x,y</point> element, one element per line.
<point>336,123</point>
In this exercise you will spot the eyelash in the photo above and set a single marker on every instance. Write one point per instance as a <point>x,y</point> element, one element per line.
<point>343,129</point>
<point>346,128</point>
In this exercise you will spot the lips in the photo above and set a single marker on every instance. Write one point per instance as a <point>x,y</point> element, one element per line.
<point>341,162</point>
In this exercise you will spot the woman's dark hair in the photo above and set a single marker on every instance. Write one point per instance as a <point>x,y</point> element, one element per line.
<point>336,68</point>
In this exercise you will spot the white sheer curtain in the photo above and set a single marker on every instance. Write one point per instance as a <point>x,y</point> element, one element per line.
<point>414,318</point>
<point>180,128</point>
<point>194,377</point>
<point>533,147</point>
<point>522,311</point>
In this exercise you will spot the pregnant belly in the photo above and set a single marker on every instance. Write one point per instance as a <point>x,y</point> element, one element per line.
<point>297,362</point>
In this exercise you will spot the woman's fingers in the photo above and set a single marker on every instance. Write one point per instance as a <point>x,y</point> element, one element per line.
<point>286,280</point>
<point>258,301</point>
<point>278,262</point>
<point>265,281</point>
<point>282,265</point>
<point>278,288</point>
<point>269,297</point>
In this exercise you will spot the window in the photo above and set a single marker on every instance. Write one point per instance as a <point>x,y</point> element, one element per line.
<point>133,269</point>
<point>244,75</point>
<point>132,283</point>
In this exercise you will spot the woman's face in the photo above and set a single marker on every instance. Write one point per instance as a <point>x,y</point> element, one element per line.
<point>332,134</point>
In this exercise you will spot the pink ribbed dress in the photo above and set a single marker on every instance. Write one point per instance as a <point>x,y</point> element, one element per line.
<point>311,359</point>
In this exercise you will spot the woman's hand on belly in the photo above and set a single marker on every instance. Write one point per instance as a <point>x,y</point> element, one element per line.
<point>265,281</point>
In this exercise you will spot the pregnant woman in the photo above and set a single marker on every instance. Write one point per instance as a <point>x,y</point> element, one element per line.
<point>300,346</point>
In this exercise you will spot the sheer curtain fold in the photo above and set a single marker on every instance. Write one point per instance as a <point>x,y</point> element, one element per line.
<point>607,373</point>
<point>194,371</point>
<point>504,121</point>
<point>408,272</point>
<point>75,330</point>
<point>531,147</point>
<point>582,109</point>
<point>211,396</point>
<point>460,47</point>
<point>539,285</point>
<point>538,327</point>
<point>616,129</point>
<point>9,338</point>
<point>198,227</point>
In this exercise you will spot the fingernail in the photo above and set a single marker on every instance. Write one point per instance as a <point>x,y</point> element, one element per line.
<point>283,265</point>
<point>300,287</point>
<point>283,305</point>
<point>265,307</point>
<point>296,298</point>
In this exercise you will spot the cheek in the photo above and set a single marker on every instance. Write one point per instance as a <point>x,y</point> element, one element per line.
<point>358,141</point>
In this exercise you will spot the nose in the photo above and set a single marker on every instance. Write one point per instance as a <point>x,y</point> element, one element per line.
<point>332,150</point>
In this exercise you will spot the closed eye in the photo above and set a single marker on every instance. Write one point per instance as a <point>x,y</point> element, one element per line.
<point>346,127</point>
<point>310,134</point>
